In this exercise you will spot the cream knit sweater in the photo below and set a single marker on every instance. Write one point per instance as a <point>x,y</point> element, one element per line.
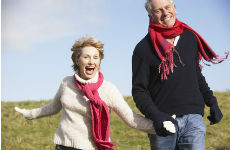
<point>75,127</point>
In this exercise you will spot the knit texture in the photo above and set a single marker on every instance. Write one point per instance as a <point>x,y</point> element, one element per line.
<point>165,50</point>
<point>185,91</point>
<point>75,126</point>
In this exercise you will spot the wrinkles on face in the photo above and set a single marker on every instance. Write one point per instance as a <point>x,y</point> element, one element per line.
<point>88,62</point>
<point>163,12</point>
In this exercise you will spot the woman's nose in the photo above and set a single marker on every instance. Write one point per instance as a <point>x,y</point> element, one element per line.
<point>91,61</point>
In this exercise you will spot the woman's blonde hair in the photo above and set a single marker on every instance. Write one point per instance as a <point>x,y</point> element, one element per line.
<point>84,42</point>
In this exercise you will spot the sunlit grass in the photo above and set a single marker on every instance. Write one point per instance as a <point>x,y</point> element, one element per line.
<point>21,134</point>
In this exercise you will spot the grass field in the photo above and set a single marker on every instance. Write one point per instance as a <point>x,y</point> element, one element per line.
<point>21,134</point>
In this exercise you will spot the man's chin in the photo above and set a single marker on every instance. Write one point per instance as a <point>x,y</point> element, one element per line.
<point>169,23</point>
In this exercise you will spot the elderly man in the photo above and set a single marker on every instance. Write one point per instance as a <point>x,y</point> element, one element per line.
<point>167,79</point>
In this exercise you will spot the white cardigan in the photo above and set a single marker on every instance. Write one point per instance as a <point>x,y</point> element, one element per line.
<point>75,127</point>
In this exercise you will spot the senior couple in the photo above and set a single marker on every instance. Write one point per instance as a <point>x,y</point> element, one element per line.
<point>167,87</point>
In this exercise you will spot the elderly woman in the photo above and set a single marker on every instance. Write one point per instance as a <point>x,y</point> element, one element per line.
<point>85,99</point>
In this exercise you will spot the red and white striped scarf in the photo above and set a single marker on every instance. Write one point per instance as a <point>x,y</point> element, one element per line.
<point>165,50</point>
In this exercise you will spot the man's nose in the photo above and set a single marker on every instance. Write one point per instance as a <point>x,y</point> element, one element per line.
<point>164,12</point>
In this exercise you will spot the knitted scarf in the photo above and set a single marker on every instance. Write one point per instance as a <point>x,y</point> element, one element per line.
<point>99,112</point>
<point>165,50</point>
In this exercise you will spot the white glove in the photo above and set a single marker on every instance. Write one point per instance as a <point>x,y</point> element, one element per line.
<point>169,126</point>
<point>26,113</point>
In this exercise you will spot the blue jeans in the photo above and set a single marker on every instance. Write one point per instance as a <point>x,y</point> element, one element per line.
<point>190,135</point>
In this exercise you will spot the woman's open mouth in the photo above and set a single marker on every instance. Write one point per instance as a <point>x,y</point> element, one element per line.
<point>89,70</point>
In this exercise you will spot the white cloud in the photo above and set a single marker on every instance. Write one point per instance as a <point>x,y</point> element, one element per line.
<point>26,23</point>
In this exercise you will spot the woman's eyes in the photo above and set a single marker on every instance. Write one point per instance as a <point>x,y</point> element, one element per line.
<point>95,57</point>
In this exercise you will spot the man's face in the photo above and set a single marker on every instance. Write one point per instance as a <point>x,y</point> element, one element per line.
<point>163,12</point>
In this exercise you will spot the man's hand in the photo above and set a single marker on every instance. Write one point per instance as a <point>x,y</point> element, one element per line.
<point>215,114</point>
<point>164,124</point>
<point>26,113</point>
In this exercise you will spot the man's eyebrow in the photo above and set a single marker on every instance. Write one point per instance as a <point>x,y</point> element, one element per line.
<point>163,7</point>
<point>157,9</point>
<point>168,5</point>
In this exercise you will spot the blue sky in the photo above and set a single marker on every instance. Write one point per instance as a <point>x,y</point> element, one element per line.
<point>37,36</point>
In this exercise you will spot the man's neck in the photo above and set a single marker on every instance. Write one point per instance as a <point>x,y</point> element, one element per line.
<point>171,40</point>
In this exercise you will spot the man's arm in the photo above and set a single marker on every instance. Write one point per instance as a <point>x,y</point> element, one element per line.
<point>140,83</point>
<point>210,100</point>
<point>142,97</point>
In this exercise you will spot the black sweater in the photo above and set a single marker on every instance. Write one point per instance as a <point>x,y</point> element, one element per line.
<point>185,91</point>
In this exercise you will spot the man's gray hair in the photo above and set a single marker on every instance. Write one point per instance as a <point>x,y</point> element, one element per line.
<point>148,7</point>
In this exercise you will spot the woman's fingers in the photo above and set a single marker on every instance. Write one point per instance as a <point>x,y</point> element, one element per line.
<point>174,116</point>
<point>169,126</point>
<point>22,111</point>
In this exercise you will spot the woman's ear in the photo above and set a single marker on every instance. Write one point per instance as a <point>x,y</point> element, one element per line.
<point>77,61</point>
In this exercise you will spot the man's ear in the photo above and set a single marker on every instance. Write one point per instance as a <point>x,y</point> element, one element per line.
<point>150,18</point>
<point>175,8</point>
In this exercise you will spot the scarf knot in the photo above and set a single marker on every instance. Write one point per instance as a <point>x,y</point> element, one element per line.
<point>165,49</point>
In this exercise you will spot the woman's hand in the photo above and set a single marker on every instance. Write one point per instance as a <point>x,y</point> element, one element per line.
<point>26,113</point>
<point>169,126</point>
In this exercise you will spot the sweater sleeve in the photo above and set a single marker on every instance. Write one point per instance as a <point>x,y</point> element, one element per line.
<point>140,84</point>
<point>122,109</point>
<point>207,93</point>
<point>49,109</point>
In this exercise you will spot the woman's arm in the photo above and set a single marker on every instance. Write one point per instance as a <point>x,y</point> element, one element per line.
<point>122,109</point>
<point>49,109</point>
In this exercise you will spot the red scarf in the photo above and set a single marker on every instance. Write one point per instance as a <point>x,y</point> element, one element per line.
<point>99,112</point>
<point>165,50</point>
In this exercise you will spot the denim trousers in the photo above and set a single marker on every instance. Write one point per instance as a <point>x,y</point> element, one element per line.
<point>190,135</point>
<point>61,147</point>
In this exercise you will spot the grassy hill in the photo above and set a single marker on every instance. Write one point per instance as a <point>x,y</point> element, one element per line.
<point>21,134</point>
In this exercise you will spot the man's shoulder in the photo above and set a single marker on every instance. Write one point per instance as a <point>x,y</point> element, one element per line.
<point>189,34</point>
<point>144,44</point>
<point>144,40</point>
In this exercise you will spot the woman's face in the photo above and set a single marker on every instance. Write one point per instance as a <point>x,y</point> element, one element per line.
<point>88,62</point>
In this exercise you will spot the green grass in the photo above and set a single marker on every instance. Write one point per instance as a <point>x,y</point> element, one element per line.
<point>21,134</point>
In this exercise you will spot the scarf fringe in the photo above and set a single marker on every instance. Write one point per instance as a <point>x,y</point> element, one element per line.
<point>159,34</point>
<point>166,66</point>
<point>216,60</point>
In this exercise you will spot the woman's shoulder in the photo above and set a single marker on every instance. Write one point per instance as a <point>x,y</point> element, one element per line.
<point>67,81</point>
<point>110,93</point>
<point>108,85</point>
<point>109,88</point>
